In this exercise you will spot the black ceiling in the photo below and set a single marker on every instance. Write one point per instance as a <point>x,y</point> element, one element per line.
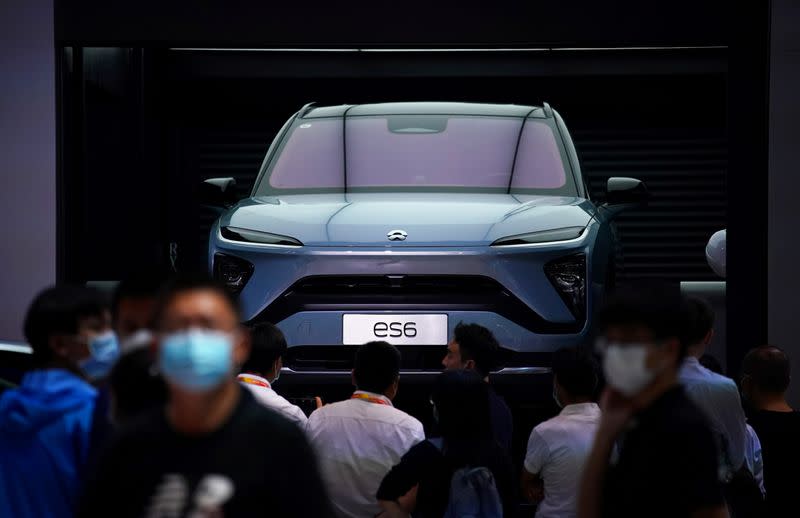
<point>408,23</point>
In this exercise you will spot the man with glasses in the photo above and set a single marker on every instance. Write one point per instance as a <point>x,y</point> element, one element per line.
<point>667,462</point>
<point>211,449</point>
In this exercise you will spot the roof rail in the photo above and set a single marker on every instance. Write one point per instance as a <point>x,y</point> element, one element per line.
<point>548,111</point>
<point>305,109</point>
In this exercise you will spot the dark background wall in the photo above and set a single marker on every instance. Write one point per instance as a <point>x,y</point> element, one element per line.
<point>27,158</point>
<point>144,122</point>
<point>784,181</point>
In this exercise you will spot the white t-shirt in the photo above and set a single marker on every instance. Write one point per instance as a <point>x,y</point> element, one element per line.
<point>557,452</point>
<point>357,442</point>
<point>264,394</point>
<point>718,398</point>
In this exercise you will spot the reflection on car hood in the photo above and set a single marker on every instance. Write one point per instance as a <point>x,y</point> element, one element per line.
<point>429,219</point>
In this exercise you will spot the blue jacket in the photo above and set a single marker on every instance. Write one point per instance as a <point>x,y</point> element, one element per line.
<point>45,429</point>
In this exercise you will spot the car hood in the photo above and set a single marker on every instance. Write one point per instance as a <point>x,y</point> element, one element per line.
<point>429,219</point>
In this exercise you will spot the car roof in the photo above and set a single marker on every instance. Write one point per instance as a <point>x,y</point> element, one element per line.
<point>423,108</point>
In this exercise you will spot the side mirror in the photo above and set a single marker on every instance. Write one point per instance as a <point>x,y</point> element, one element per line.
<point>626,191</point>
<point>218,192</point>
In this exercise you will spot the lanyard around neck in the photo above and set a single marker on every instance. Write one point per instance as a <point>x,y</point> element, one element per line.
<point>371,399</point>
<point>254,381</point>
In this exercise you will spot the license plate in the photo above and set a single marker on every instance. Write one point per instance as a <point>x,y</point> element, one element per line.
<point>395,329</point>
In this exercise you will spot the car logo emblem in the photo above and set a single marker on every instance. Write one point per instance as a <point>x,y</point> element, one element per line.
<point>397,235</point>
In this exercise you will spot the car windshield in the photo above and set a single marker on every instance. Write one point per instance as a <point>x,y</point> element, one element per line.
<point>419,153</point>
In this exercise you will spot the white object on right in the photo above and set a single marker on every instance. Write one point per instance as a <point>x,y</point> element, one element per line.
<point>715,252</point>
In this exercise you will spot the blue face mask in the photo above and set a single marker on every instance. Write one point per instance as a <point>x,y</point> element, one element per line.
<point>103,353</point>
<point>196,360</point>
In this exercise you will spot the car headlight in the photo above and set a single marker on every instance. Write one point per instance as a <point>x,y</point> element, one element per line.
<point>545,236</point>
<point>253,236</point>
<point>233,272</point>
<point>568,276</point>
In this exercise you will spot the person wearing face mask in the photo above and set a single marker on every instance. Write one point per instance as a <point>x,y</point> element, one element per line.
<point>558,448</point>
<point>667,464</point>
<point>211,450</point>
<point>50,424</point>
<point>134,381</point>
<point>263,368</point>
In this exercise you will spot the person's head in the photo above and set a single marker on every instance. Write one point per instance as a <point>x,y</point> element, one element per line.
<point>267,351</point>
<point>766,374</point>
<point>461,405</point>
<point>70,327</point>
<point>377,368</point>
<point>642,338</point>
<point>473,347</point>
<point>574,376</point>
<point>133,304</point>
<point>700,326</point>
<point>201,342</point>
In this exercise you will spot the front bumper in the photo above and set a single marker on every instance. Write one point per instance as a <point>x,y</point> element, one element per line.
<point>272,292</point>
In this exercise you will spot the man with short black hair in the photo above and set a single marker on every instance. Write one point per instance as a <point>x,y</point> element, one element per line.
<point>766,374</point>
<point>558,448</point>
<point>212,450</point>
<point>475,347</point>
<point>48,425</point>
<point>263,368</point>
<point>716,395</point>
<point>360,439</point>
<point>135,384</point>
<point>667,464</point>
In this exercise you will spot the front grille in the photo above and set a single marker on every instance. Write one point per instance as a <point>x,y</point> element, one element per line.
<point>408,293</point>
<point>411,287</point>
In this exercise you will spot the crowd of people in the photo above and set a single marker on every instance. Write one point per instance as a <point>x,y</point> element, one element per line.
<point>161,404</point>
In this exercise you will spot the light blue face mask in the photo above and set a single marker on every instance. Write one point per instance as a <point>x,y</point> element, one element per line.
<point>103,353</point>
<point>196,360</point>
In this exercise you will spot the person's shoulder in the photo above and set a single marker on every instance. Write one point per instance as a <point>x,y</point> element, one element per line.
<point>253,414</point>
<point>722,381</point>
<point>330,409</point>
<point>406,420</point>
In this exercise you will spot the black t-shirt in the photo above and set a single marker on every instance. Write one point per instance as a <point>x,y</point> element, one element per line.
<point>667,463</point>
<point>778,433</point>
<point>426,465</point>
<point>502,421</point>
<point>257,464</point>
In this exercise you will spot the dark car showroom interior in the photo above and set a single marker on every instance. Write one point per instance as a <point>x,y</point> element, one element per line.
<point>323,173</point>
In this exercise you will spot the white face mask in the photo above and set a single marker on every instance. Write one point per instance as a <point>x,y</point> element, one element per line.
<point>138,340</point>
<point>625,368</point>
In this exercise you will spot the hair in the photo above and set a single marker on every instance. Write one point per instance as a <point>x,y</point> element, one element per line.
<point>462,404</point>
<point>144,285</point>
<point>576,371</point>
<point>701,320</point>
<point>268,344</point>
<point>657,306</point>
<point>712,364</point>
<point>136,388</point>
<point>377,366</point>
<point>59,310</point>
<point>769,368</point>
<point>189,282</point>
<point>478,344</point>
